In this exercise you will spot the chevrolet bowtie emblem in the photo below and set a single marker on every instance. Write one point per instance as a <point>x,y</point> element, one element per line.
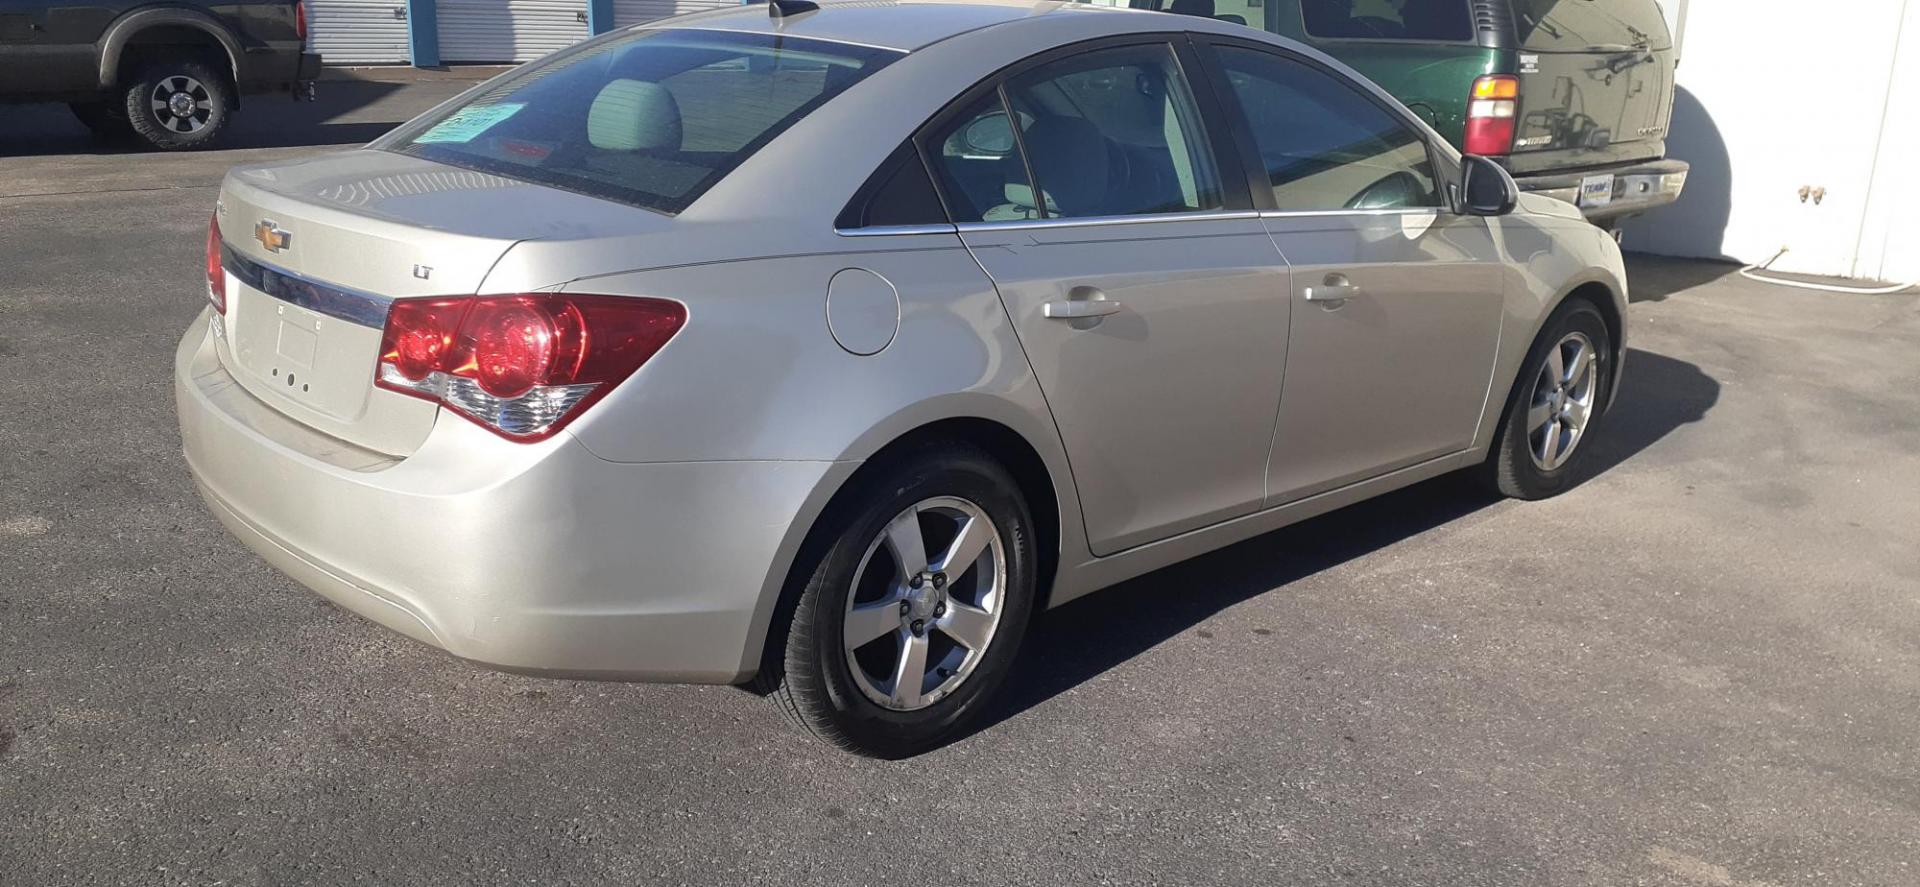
<point>271,237</point>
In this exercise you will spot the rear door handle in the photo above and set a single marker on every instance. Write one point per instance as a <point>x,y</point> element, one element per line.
<point>1335,288</point>
<point>1074,309</point>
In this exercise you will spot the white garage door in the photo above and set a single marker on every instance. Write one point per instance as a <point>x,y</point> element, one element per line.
<point>634,12</point>
<point>358,32</point>
<point>508,30</point>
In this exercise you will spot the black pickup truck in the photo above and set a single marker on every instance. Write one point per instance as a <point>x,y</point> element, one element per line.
<point>170,73</point>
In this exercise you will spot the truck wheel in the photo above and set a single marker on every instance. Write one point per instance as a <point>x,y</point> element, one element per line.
<point>178,105</point>
<point>106,119</point>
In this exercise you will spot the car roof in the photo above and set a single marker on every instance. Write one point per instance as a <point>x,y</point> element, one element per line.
<point>904,25</point>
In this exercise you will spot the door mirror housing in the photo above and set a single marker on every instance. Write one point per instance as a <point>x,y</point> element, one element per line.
<point>1486,188</point>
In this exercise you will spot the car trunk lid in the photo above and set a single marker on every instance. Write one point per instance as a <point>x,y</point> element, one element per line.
<point>315,252</point>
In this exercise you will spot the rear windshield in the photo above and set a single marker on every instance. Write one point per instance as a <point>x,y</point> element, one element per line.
<point>652,118</point>
<point>1428,20</point>
<point>1587,25</point>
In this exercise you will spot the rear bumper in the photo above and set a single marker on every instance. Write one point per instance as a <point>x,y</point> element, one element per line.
<point>278,67</point>
<point>538,558</point>
<point>1637,187</point>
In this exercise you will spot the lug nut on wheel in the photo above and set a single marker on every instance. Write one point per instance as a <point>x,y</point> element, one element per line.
<point>939,611</point>
<point>919,628</point>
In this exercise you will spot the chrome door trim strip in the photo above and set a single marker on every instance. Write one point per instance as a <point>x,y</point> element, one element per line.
<point>894,230</point>
<point>1104,221</point>
<point>1310,213</point>
<point>351,305</point>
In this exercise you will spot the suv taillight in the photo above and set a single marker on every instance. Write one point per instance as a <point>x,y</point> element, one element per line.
<point>1491,113</point>
<point>300,19</point>
<point>216,274</point>
<point>521,366</point>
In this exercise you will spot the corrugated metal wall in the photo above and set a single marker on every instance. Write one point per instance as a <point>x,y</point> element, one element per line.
<point>634,12</point>
<point>358,32</point>
<point>508,30</point>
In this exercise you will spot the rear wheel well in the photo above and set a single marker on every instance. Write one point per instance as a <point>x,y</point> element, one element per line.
<point>1011,450</point>
<point>1003,444</point>
<point>159,43</point>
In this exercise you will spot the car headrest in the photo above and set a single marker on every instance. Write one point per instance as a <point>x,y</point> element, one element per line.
<point>1069,157</point>
<point>1201,8</point>
<point>634,115</point>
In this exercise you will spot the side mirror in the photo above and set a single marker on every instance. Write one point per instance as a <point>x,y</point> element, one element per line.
<point>1486,188</point>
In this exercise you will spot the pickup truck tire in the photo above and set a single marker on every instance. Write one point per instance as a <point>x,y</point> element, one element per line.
<point>178,105</point>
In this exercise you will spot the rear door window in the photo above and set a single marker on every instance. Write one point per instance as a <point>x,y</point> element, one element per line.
<point>1112,132</point>
<point>1590,25</point>
<point>653,118</point>
<point>1447,21</point>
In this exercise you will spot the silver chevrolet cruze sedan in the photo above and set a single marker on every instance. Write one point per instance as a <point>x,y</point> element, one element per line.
<point>815,349</point>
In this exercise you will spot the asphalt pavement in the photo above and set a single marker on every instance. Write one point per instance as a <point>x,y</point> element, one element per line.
<point>1699,668</point>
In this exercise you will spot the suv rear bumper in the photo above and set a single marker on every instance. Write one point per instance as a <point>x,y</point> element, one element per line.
<point>1637,187</point>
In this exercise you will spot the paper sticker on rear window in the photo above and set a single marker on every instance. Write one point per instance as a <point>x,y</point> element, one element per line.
<point>467,123</point>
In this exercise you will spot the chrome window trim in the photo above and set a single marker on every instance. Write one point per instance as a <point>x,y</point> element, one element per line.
<point>1308,213</point>
<point>1104,221</point>
<point>353,306</point>
<point>894,230</point>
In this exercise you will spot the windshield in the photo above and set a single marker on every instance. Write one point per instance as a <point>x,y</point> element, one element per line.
<point>1586,25</point>
<point>653,118</point>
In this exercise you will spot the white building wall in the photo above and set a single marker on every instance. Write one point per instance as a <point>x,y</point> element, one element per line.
<point>1775,95</point>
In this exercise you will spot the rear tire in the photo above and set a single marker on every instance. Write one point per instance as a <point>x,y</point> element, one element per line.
<point>958,504</point>
<point>178,104</point>
<point>1554,406</point>
<point>106,119</point>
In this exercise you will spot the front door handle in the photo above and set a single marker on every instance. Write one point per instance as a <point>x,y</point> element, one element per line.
<point>1333,290</point>
<point>1075,309</point>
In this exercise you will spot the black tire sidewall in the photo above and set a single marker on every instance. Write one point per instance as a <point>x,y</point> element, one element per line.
<point>962,473</point>
<point>1517,474</point>
<point>148,129</point>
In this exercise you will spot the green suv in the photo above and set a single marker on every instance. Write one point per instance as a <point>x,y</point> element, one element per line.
<point>1572,96</point>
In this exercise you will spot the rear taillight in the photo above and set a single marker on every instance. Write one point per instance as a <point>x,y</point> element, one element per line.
<point>216,274</point>
<point>1491,113</point>
<point>521,366</point>
<point>300,19</point>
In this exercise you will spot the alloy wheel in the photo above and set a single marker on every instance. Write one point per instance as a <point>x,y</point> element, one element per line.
<point>1562,402</point>
<point>926,602</point>
<point>181,104</point>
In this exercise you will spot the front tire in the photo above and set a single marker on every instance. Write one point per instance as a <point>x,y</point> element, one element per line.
<point>178,105</point>
<point>911,613</point>
<point>1554,405</point>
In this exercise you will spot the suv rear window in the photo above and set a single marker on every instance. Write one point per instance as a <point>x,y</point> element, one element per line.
<point>651,118</point>
<point>1586,25</point>
<point>1426,20</point>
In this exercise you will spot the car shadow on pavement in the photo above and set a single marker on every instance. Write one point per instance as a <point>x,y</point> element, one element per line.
<point>1652,278</point>
<point>1083,639</point>
<point>263,121</point>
